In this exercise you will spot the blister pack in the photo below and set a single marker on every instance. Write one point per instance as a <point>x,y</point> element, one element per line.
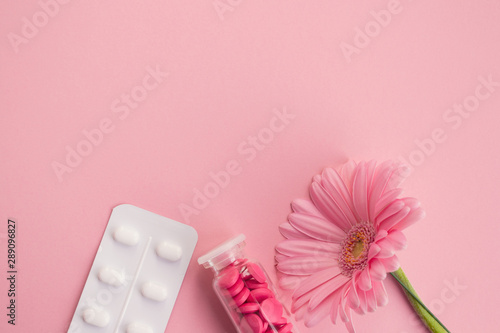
<point>136,275</point>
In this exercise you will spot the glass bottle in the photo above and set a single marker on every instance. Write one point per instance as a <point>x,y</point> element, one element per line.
<point>245,290</point>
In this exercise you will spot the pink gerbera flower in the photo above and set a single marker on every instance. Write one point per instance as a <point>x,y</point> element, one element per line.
<point>340,246</point>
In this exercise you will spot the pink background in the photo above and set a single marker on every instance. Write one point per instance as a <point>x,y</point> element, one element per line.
<point>228,71</point>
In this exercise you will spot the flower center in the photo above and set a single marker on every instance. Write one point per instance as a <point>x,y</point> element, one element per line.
<point>355,247</point>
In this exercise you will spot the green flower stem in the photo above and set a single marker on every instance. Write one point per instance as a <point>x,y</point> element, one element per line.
<point>432,323</point>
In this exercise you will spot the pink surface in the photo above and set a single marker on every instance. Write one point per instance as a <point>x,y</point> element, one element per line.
<point>271,92</point>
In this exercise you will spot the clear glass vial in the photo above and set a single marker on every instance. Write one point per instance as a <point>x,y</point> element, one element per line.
<point>245,290</point>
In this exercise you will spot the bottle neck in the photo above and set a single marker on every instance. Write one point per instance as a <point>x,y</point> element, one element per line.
<point>224,255</point>
<point>224,259</point>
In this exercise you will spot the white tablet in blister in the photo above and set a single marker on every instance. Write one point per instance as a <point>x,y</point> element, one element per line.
<point>136,275</point>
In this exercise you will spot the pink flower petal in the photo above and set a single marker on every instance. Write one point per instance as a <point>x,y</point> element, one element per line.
<point>301,247</point>
<point>397,239</point>
<point>279,257</point>
<point>316,280</point>
<point>374,250</point>
<point>359,310</point>
<point>379,182</point>
<point>300,313</point>
<point>317,178</point>
<point>337,302</point>
<point>305,207</point>
<point>391,264</point>
<point>370,173</point>
<point>401,172</point>
<point>377,270</point>
<point>386,248</point>
<point>365,281</point>
<point>385,253</point>
<point>348,324</point>
<point>389,211</point>
<point>381,234</point>
<point>290,232</point>
<point>314,316</point>
<point>371,301</point>
<point>327,289</point>
<point>414,216</point>
<point>411,202</point>
<point>380,293</point>
<point>334,185</point>
<point>391,221</point>
<point>304,265</point>
<point>347,172</point>
<point>316,227</point>
<point>352,296</point>
<point>362,309</point>
<point>360,192</point>
<point>289,282</point>
<point>301,301</point>
<point>343,306</point>
<point>326,205</point>
<point>386,199</point>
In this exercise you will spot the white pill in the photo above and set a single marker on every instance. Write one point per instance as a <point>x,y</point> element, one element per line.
<point>139,328</point>
<point>111,276</point>
<point>126,235</point>
<point>99,318</point>
<point>154,291</point>
<point>169,251</point>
